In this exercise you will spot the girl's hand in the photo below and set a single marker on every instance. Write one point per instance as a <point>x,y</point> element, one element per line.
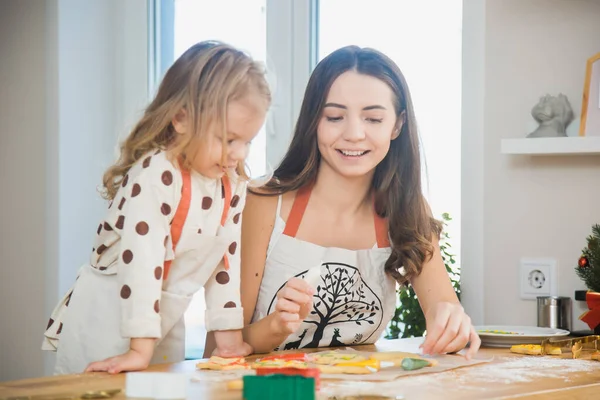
<point>449,330</point>
<point>231,344</point>
<point>136,359</point>
<point>294,302</point>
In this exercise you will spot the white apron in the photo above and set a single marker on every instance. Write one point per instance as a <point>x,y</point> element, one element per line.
<point>355,298</point>
<point>93,301</point>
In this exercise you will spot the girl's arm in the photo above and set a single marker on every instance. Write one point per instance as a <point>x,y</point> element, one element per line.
<point>266,334</point>
<point>146,202</point>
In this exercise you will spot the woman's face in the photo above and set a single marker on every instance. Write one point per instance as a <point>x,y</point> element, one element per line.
<point>357,124</point>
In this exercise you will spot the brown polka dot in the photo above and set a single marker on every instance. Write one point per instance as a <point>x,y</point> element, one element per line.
<point>99,229</point>
<point>156,152</point>
<point>156,306</point>
<point>121,204</point>
<point>137,189</point>
<point>146,162</point>
<point>125,292</point>
<point>68,299</point>
<point>102,268</point>
<point>107,227</point>
<point>222,191</point>
<point>166,240</point>
<point>142,228</point>
<point>199,230</point>
<point>232,248</point>
<point>165,209</point>
<point>235,200</point>
<point>167,178</point>
<point>93,249</point>
<point>125,179</point>
<point>158,272</point>
<point>256,274</point>
<point>127,256</point>
<point>101,249</point>
<point>59,329</point>
<point>110,205</point>
<point>50,322</point>
<point>120,222</point>
<point>206,203</point>
<point>230,304</point>
<point>222,277</point>
<point>236,218</point>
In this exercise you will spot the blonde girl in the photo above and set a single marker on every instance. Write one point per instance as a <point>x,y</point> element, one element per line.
<point>173,224</point>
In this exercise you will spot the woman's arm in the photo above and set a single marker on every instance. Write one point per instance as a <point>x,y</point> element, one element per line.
<point>449,328</point>
<point>433,285</point>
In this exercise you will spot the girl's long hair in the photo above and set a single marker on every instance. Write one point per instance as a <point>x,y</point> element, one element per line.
<point>202,81</point>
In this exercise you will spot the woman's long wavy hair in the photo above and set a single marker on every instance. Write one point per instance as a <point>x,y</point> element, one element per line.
<point>202,81</point>
<point>396,183</point>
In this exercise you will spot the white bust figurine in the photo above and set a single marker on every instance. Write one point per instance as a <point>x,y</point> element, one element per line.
<point>554,114</point>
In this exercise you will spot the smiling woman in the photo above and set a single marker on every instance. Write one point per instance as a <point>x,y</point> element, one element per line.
<point>346,199</point>
<point>355,135</point>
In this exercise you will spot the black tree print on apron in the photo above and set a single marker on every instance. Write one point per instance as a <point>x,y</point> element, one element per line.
<point>343,299</point>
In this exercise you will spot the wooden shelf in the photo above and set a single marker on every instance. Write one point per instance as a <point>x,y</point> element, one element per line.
<point>576,145</point>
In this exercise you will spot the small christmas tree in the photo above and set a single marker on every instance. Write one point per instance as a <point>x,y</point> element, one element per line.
<point>588,267</point>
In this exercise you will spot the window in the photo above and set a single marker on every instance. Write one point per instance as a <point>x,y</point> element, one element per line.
<point>424,38</point>
<point>194,21</point>
<point>291,36</point>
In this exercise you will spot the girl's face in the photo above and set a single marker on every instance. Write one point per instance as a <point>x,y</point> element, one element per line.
<point>245,117</point>
<point>357,124</point>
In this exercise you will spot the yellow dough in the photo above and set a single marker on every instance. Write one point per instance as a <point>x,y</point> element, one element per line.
<point>223,364</point>
<point>341,369</point>
<point>334,357</point>
<point>533,349</point>
<point>237,384</point>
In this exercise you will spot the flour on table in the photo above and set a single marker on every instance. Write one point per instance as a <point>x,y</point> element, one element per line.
<point>525,369</point>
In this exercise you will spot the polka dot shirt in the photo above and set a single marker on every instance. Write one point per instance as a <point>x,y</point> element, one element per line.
<point>134,241</point>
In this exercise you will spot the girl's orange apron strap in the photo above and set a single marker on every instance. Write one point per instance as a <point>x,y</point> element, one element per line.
<point>180,215</point>
<point>226,188</point>
<point>297,211</point>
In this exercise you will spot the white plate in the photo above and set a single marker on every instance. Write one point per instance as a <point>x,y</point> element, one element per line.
<point>507,335</point>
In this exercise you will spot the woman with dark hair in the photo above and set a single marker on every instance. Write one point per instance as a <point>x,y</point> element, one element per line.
<point>346,200</point>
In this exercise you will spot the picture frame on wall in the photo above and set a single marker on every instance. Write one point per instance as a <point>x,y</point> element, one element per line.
<point>590,108</point>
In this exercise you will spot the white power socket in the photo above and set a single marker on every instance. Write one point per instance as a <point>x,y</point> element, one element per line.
<point>538,278</point>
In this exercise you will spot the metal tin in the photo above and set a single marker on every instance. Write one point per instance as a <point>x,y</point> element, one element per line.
<point>554,312</point>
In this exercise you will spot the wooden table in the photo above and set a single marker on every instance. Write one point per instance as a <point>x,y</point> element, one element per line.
<point>507,376</point>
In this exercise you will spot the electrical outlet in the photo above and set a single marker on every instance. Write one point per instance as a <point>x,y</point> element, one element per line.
<point>538,278</point>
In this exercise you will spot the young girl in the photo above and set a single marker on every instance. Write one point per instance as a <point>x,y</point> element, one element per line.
<point>173,223</point>
<point>346,201</point>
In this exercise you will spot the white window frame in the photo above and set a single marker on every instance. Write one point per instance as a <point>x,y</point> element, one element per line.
<point>292,51</point>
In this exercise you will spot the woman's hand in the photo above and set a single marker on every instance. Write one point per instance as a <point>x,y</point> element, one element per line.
<point>294,302</point>
<point>449,330</point>
<point>136,359</point>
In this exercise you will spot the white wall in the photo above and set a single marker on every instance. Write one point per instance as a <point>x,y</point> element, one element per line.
<point>530,206</point>
<point>22,179</point>
<point>74,78</point>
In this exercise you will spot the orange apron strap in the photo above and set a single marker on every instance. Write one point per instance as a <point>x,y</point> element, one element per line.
<point>180,215</point>
<point>381,231</point>
<point>297,212</point>
<point>226,187</point>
